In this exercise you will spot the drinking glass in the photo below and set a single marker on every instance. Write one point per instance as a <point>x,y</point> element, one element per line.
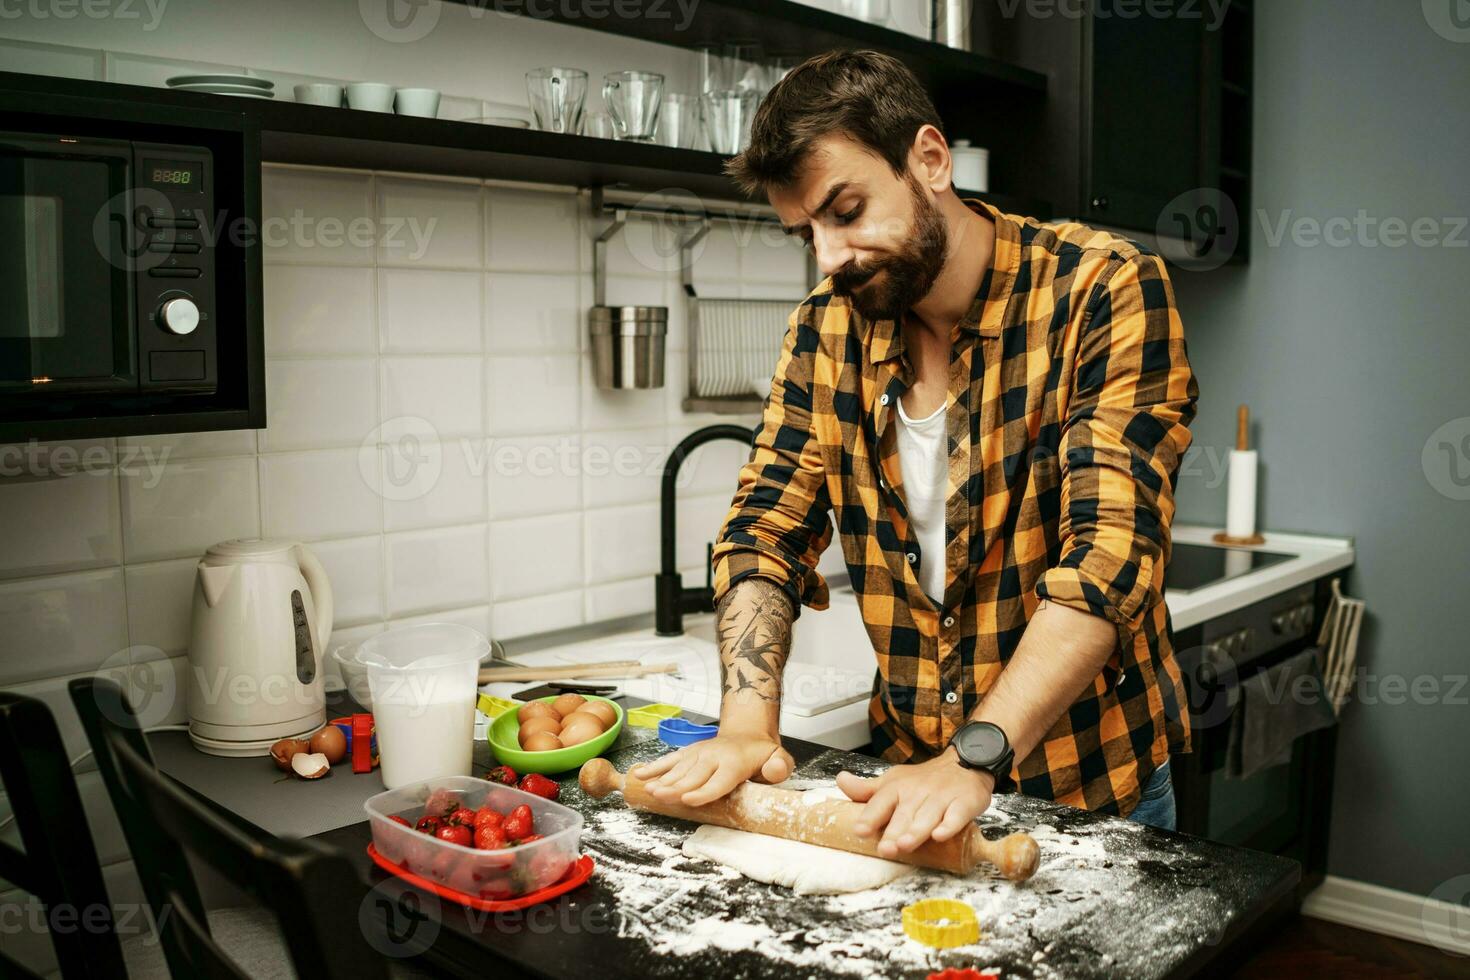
<point>678,121</point>
<point>557,97</point>
<point>599,125</point>
<point>727,118</point>
<point>633,99</point>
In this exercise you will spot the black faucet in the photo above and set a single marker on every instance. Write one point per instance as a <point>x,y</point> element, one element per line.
<point>671,599</point>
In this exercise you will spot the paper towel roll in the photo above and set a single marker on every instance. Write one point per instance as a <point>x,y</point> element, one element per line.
<point>1240,509</point>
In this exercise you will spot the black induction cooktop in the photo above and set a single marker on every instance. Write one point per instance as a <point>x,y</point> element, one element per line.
<point>1194,566</point>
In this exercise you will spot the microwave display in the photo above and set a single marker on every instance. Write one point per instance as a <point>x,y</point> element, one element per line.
<point>174,175</point>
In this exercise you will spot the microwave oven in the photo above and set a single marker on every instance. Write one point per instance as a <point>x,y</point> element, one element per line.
<point>129,273</point>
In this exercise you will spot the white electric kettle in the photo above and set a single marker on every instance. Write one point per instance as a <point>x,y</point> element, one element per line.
<point>262,617</point>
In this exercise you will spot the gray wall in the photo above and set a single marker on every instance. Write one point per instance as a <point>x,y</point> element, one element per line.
<point>1350,358</point>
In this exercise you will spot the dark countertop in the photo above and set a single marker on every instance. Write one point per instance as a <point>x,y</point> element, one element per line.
<point>1111,898</point>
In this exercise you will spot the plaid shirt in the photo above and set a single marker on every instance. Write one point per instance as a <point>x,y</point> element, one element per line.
<point>1070,394</point>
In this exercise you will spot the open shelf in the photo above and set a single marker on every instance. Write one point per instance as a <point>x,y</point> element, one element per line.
<point>303,134</point>
<point>786,28</point>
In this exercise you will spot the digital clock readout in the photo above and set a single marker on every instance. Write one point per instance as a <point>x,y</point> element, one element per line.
<point>178,175</point>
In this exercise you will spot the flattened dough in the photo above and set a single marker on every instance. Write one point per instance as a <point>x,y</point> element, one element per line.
<point>804,868</point>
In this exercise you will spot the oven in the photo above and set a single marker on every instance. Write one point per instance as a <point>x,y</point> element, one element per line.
<point>1283,809</point>
<point>130,267</point>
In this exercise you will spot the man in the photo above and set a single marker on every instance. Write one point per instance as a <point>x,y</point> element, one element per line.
<point>993,410</point>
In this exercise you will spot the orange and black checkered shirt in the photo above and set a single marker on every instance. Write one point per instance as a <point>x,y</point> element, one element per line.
<point>1070,396</point>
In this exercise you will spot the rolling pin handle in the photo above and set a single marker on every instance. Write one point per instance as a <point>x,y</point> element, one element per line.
<point>1017,856</point>
<point>598,778</point>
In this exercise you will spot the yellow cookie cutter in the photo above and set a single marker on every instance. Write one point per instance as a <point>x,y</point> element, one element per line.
<point>650,715</point>
<point>493,707</point>
<point>941,923</point>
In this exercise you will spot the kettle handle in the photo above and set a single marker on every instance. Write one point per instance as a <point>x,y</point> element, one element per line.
<point>321,592</point>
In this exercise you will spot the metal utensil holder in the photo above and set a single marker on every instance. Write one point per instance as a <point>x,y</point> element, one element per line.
<point>627,341</point>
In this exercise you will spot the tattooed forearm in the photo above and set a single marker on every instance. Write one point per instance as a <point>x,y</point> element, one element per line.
<point>753,621</point>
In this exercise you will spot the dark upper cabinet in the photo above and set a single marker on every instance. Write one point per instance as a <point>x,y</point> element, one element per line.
<point>1141,132</point>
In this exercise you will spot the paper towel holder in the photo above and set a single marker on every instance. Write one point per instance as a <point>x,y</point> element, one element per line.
<point>1242,443</point>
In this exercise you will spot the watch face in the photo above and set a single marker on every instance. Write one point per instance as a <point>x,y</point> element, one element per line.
<point>981,744</point>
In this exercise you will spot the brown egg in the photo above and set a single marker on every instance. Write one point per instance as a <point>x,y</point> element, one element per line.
<point>330,742</point>
<point>287,749</point>
<point>581,731</point>
<point>541,742</point>
<point>603,710</point>
<point>538,724</point>
<point>537,709</point>
<point>583,715</point>
<point>568,703</point>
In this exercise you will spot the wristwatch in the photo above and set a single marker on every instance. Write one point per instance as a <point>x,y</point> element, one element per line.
<point>982,745</point>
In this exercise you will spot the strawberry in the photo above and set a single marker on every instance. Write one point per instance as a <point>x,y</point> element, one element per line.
<point>504,775</point>
<point>519,823</point>
<point>539,785</point>
<point>428,824</point>
<point>397,819</point>
<point>464,816</point>
<point>455,834</point>
<point>489,838</point>
<point>487,817</point>
<point>527,840</point>
<point>441,803</point>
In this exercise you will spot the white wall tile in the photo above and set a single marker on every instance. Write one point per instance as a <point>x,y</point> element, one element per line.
<point>534,475</point>
<point>604,409</point>
<point>193,504</point>
<point>430,223</point>
<point>157,691</point>
<point>438,569</point>
<point>713,468</point>
<point>766,255</point>
<point>697,522</point>
<point>355,569</point>
<point>319,310</point>
<point>528,395</point>
<point>331,493</point>
<point>531,231</point>
<point>645,248</point>
<point>319,402</point>
<point>141,451</point>
<point>476,618</point>
<point>533,314</point>
<point>624,466</point>
<point>161,603</point>
<point>535,555</point>
<point>447,392</point>
<point>418,493</point>
<point>59,525</point>
<point>50,59</point>
<point>317,216</point>
<point>134,69</point>
<point>429,311</point>
<point>62,624</point>
<point>622,542</point>
<point>615,600</point>
<point>540,614</point>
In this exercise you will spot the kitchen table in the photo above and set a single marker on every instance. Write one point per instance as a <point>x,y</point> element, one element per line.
<point>1111,898</point>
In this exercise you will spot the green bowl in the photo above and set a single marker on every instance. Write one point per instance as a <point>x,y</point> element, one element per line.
<point>508,752</point>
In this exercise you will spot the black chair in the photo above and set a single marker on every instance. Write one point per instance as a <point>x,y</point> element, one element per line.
<point>59,863</point>
<point>312,892</point>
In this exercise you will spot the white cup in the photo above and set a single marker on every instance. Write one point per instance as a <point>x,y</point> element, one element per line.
<point>370,96</point>
<point>971,166</point>
<point>319,93</point>
<point>416,102</point>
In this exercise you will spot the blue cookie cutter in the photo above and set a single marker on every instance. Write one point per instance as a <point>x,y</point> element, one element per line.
<point>678,732</point>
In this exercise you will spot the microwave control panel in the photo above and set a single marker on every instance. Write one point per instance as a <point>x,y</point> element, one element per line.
<point>172,247</point>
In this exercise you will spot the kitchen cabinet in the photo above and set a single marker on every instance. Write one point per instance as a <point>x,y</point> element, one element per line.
<point>1147,124</point>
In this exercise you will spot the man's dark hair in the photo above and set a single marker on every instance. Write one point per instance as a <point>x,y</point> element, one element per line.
<point>868,97</point>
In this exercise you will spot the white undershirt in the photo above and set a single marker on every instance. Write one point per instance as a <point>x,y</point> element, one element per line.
<point>923,460</point>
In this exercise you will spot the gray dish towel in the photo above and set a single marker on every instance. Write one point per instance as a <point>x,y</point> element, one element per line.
<point>1277,706</point>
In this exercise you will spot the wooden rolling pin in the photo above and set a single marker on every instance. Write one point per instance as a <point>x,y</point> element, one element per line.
<point>781,812</point>
<point>563,672</point>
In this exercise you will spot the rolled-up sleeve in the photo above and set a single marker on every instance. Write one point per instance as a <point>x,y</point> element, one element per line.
<point>778,525</point>
<point>1125,431</point>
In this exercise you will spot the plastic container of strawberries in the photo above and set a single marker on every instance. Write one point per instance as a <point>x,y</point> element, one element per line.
<point>496,875</point>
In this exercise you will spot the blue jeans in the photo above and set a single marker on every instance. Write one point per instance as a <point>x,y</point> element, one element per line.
<point>1156,808</point>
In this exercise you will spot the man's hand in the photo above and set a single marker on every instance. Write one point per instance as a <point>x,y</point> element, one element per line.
<point>910,804</point>
<point>705,771</point>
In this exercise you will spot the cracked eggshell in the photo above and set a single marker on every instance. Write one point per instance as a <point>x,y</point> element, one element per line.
<point>310,765</point>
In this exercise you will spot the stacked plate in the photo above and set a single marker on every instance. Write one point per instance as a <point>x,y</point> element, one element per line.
<point>247,86</point>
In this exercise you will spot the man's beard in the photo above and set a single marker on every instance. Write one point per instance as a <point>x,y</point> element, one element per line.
<point>885,288</point>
